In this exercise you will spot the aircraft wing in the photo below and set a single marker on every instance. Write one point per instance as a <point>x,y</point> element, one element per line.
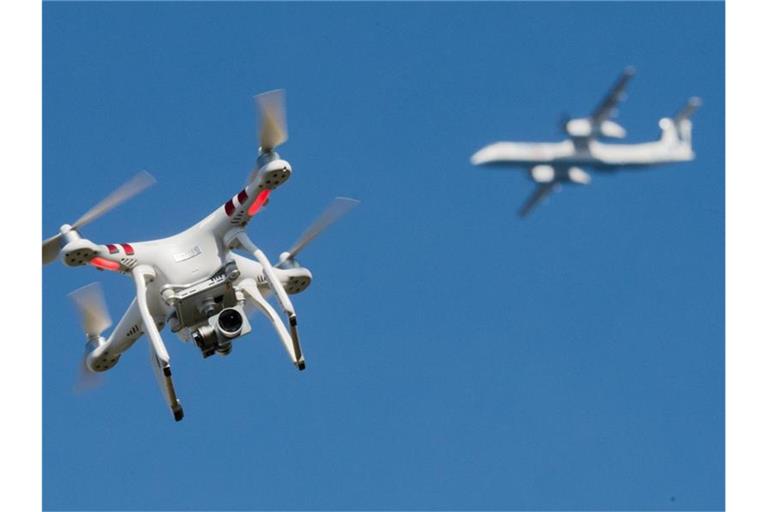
<point>607,106</point>
<point>542,191</point>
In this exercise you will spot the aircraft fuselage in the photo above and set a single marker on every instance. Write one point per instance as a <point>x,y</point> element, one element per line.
<point>589,153</point>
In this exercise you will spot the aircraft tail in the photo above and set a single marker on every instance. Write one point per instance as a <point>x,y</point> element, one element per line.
<point>678,129</point>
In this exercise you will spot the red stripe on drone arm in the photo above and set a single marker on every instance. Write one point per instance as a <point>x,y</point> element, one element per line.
<point>229,208</point>
<point>105,264</point>
<point>259,202</point>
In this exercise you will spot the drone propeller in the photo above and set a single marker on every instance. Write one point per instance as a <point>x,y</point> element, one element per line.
<point>90,304</point>
<point>86,379</point>
<point>95,319</point>
<point>274,129</point>
<point>137,184</point>
<point>336,210</point>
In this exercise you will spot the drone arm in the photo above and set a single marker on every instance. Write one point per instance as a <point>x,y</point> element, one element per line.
<point>291,344</point>
<point>158,355</point>
<point>124,335</point>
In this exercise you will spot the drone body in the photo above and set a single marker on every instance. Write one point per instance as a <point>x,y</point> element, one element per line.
<point>194,282</point>
<point>551,164</point>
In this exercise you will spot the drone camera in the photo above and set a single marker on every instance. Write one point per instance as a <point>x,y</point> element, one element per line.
<point>206,340</point>
<point>230,323</point>
<point>216,336</point>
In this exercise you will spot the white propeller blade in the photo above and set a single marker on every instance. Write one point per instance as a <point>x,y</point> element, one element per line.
<point>90,303</point>
<point>51,249</point>
<point>336,210</point>
<point>274,129</point>
<point>127,190</point>
<point>94,319</point>
<point>86,379</point>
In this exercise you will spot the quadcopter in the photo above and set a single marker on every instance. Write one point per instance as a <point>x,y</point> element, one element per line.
<point>552,164</point>
<point>196,282</point>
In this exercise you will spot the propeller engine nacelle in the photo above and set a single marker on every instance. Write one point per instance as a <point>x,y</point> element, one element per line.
<point>584,127</point>
<point>578,176</point>
<point>542,173</point>
<point>548,174</point>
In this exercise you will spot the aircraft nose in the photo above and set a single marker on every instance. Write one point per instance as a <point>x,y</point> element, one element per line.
<point>480,157</point>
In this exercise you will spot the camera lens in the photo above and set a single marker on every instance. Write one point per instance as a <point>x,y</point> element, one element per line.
<point>230,320</point>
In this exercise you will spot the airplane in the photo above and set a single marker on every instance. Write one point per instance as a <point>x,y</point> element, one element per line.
<point>195,282</point>
<point>552,164</point>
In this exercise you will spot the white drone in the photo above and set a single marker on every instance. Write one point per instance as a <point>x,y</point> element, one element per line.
<point>194,281</point>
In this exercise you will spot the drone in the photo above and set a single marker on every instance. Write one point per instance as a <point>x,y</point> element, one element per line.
<point>196,282</point>
<point>552,164</point>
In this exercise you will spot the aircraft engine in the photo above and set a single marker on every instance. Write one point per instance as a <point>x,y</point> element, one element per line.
<point>579,176</point>
<point>542,173</point>
<point>584,127</point>
<point>612,130</point>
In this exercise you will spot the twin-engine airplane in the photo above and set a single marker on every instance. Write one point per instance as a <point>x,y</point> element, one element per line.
<point>194,282</point>
<point>551,164</point>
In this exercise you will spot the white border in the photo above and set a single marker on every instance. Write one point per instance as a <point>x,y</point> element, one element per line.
<point>746,257</point>
<point>21,153</point>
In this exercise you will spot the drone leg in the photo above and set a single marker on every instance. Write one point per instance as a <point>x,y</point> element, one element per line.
<point>290,343</point>
<point>277,288</point>
<point>158,355</point>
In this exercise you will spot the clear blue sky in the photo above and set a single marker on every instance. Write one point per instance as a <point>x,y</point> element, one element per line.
<point>458,357</point>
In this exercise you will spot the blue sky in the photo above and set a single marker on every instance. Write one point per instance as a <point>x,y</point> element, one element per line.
<point>458,357</point>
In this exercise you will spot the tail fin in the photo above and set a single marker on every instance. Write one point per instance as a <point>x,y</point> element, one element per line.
<point>688,110</point>
<point>679,127</point>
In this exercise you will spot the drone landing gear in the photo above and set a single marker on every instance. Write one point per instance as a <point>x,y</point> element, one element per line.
<point>290,341</point>
<point>158,355</point>
<point>293,346</point>
<point>300,364</point>
<point>166,385</point>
